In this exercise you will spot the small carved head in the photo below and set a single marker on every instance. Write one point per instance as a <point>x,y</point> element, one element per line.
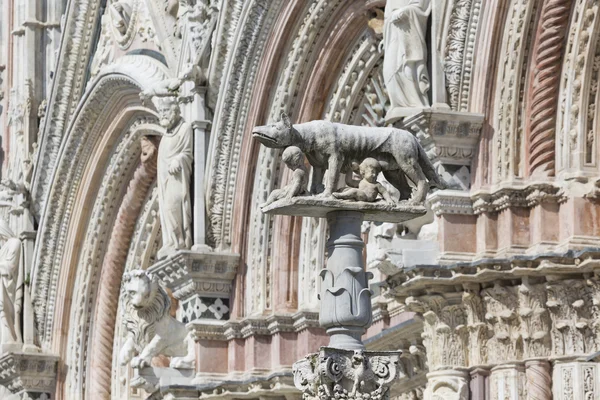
<point>369,169</point>
<point>140,288</point>
<point>276,135</point>
<point>168,111</point>
<point>293,157</point>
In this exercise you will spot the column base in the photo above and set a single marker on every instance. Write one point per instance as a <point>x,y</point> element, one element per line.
<point>447,385</point>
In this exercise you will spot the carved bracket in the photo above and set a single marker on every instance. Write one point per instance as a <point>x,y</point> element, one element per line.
<point>31,376</point>
<point>450,139</point>
<point>343,374</point>
<point>200,281</point>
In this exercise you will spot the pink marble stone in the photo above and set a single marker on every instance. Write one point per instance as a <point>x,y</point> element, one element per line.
<point>212,356</point>
<point>458,233</point>
<point>487,233</point>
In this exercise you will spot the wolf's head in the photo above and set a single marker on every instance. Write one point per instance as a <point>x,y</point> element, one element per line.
<point>275,135</point>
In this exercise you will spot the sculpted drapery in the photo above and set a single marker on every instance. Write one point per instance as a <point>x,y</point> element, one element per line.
<point>405,61</point>
<point>11,287</point>
<point>175,156</point>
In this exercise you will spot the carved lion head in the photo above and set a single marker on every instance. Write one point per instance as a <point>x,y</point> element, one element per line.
<point>140,288</point>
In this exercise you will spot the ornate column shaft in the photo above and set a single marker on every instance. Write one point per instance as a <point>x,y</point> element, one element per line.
<point>345,294</point>
<point>539,380</point>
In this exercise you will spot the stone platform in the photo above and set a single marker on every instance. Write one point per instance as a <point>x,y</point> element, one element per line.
<point>319,207</point>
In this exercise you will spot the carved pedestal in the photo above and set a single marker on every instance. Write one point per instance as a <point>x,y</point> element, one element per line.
<point>345,370</point>
<point>28,376</point>
<point>508,382</point>
<point>576,380</point>
<point>200,281</point>
<point>345,294</point>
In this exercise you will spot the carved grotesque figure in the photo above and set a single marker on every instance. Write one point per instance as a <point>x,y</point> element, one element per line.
<point>334,147</point>
<point>175,156</point>
<point>152,331</point>
<point>11,288</point>
<point>405,61</point>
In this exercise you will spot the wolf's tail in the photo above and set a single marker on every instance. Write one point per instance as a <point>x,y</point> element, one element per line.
<point>429,170</point>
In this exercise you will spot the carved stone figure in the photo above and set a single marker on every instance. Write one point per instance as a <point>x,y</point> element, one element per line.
<point>152,331</point>
<point>294,160</point>
<point>405,62</point>
<point>11,288</point>
<point>175,156</point>
<point>333,147</point>
<point>366,189</point>
<point>120,12</point>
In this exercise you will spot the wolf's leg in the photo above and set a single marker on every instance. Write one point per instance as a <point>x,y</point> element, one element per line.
<point>414,172</point>
<point>398,180</point>
<point>333,175</point>
<point>316,180</point>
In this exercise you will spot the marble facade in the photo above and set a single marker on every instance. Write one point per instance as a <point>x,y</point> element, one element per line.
<point>492,294</point>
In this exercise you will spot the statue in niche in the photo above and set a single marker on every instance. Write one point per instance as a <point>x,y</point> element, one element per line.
<point>175,156</point>
<point>405,62</point>
<point>367,189</point>
<point>11,287</point>
<point>334,147</point>
<point>294,160</point>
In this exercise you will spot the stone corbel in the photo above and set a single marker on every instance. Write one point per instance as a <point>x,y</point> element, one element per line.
<point>28,375</point>
<point>201,282</point>
<point>450,139</point>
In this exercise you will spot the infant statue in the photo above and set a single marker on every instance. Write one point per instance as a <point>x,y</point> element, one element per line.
<point>367,189</point>
<point>294,159</point>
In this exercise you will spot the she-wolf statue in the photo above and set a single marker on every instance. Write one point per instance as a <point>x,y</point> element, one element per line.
<point>333,147</point>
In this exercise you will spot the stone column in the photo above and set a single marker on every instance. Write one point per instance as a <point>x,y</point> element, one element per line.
<point>539,380</point>
<point>507,382</point>
<point>200,126</point>
<point>345,294</point>
<point>480,387</point>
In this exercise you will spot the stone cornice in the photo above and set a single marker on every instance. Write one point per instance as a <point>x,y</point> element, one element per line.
<point>242,329</point>
<point>417,280</point>
<point>494,200</point>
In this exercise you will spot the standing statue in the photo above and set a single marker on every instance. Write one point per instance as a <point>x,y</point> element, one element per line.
<point>11,287</point>
<point>175,156</point>
<point>405,61</point>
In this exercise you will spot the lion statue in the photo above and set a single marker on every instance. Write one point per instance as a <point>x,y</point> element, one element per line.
<point>152,331</point>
